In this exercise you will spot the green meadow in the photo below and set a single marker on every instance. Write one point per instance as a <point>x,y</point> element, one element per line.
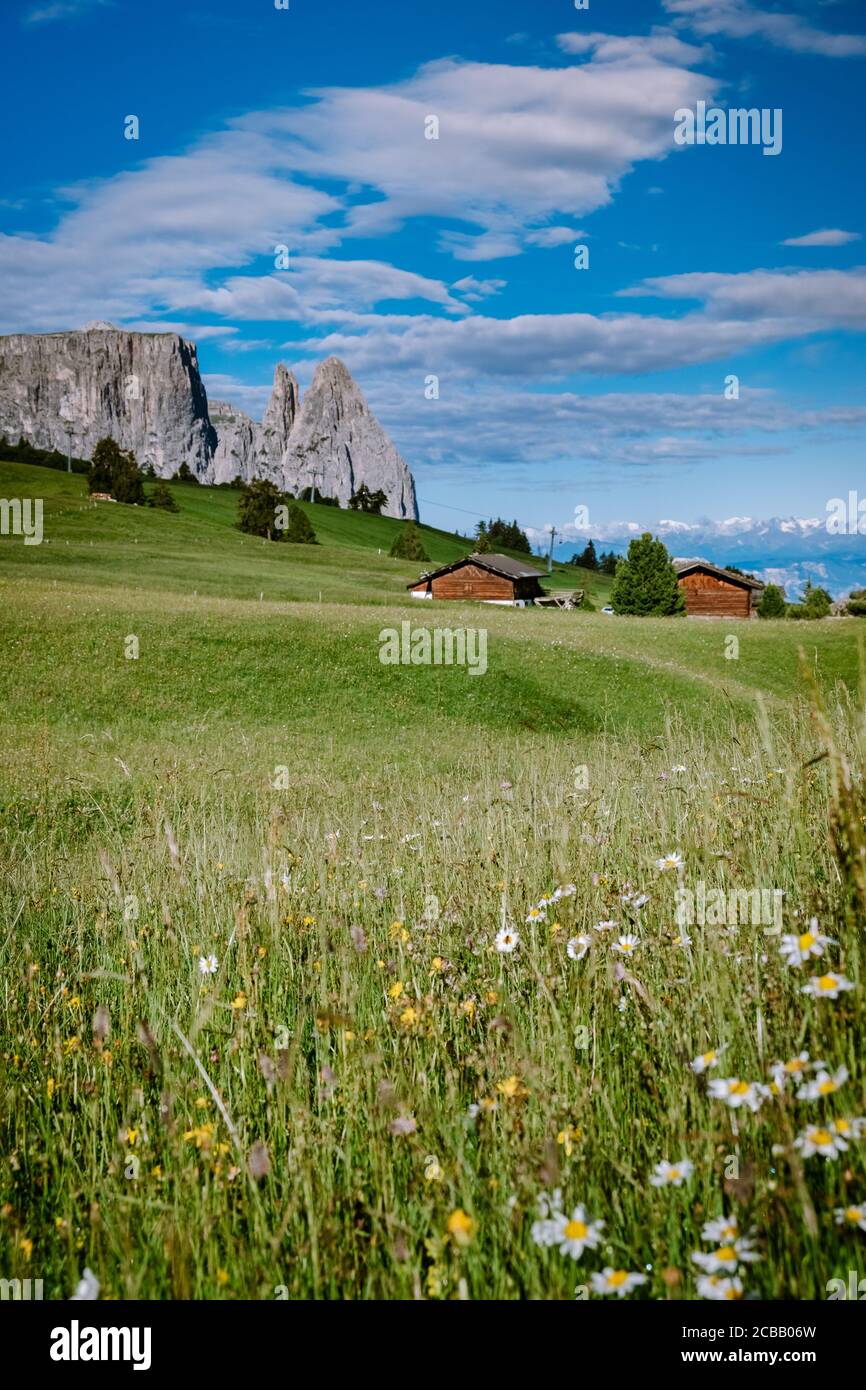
<point>258,1040</point>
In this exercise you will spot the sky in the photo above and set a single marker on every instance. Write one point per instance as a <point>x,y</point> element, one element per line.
<point>517,376</point>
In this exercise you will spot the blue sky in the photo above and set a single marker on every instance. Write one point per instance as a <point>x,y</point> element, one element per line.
<point>454,257</point>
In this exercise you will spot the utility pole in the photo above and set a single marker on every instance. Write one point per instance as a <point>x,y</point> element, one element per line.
<point>550,552</point>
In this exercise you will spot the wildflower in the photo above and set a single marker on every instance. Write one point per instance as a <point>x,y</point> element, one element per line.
<point>683,939</point>
<point>239,1001</point>
<point>577,1233</point>
<point>409,1017</point>
<point>823,1084</point>
<point>796,950</point>
<point>722,1229</point>
<point>671,1174</point>
<point>727,1258</point>
<point>828,986</point>
<point>87,1288</point>
<point>25,1245</point>
<point>512,1088</point>
<point>395,990</point>
<point>566,890</point>
<point>707,1060</point>
<point>670,861</point>
<point>577,947</point>
<point>680,767</point>
<point>608,925</point>
<point>625,944</point>
<point>717,1287</point>
<point>630,898</point>
<point>545,1230</point>
<point>852,1217</point>
<point>460,1227</point>
<point>618,1281</point>
<point>207,965</point>
<point>736,1093</point>
<point>567,1137</point>
<point>820,1139</point>
<point>536,914</point>
<point>507,941</point>
<point>403,1125</point>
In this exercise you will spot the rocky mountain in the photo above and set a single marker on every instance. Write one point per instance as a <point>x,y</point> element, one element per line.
<point>142,389</point>
<point>145,391</point>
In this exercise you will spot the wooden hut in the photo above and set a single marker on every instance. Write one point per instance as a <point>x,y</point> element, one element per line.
<point>713,592</point>
<point>485,578</point>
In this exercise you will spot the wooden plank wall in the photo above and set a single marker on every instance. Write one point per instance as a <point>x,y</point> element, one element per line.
<point>708,595</point>
<point>472,582</point>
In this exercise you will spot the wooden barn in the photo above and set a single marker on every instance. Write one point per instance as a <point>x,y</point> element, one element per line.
<point>485,578</point>
<point>712,592</point>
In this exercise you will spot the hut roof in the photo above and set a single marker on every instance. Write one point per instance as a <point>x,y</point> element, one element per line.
<point>684,566</point>
<point>496,564</point>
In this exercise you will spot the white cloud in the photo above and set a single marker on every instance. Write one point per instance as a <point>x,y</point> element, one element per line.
<point>738,19</point>
<point>661,46</point>
<point>828,237</point>
<point>62,9</point>
<point>796,301</point>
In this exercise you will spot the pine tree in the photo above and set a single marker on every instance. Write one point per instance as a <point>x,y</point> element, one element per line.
<point>299,530</point>
<point>587,560</point>
<point>408,544</point>
<point>162,498</point>
<point>646,583</point>
<point>772,602</point>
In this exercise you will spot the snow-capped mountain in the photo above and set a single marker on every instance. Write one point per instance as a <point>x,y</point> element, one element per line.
<point>781,550</point>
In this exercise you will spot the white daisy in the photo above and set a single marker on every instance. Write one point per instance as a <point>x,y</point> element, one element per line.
<point>607,925</point>
<point>727,1258</point>
<point>717,1287</point>
<point>207,965</point>
<point>565,890</point>
<point>670,861</point>
<point>671,1174</point>
<point>735,1093</point>
<point>545,1231</point>
<point>828,986</point>
<point>507,941</point>
<point>626,945</point>
<point>853,1217</point>
<point>578,947</point>
<point>796,950</point>
<point>536,914</point>
<point>679,767</point>
<point>820,1139</point>
<point>722,1229</point>
<point>707,1060</point>
<point>630,898</point>
<point>618,1281</point>
<point>577,1233</point>
<point>824,1084</point>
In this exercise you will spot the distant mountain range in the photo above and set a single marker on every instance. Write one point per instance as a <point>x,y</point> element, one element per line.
<point>782,550</point>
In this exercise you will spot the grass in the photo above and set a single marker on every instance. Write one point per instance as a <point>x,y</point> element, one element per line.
<point>347,839</point>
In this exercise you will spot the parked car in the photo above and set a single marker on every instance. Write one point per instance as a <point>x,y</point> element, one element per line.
<point>607,609</point>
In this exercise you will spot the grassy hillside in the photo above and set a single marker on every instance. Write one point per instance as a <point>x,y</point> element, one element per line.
<point>361,1096</point>
<point>200,549</point>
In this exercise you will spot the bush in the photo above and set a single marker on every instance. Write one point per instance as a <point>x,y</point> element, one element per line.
<point>408,544</point>
<point>857,603</point>
<point>161,497</point>
<point>299,530</point>
<point>646,581</point>
<point>258,507</point>
<point>772,602</point>
<point>184,474</point>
